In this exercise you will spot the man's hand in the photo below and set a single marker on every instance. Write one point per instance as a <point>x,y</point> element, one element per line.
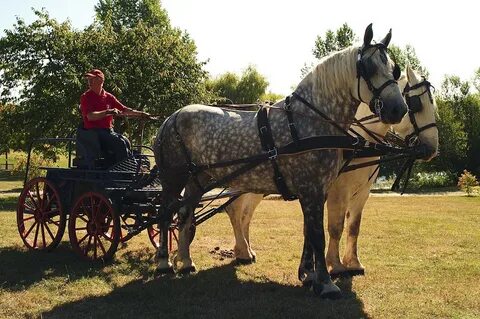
<point>113,112</point>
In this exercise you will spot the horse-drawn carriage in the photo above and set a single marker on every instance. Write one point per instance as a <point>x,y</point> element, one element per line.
<point>200,148</point>
<point>101,202</point>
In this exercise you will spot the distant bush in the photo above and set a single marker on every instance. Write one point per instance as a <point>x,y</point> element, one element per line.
<point>36,161</point>
<point>468,183</point>
<point>426,180</point>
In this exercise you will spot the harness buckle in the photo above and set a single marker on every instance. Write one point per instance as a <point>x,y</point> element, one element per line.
<point>378,106</point>
<point>272,154</point>
<point>263,130</point>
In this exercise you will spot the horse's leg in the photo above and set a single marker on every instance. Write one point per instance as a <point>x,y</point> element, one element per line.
<point>169,201</point>
<point>336,206</point>
<point>235,212</point>
<point>306,271</point>
<point>350,259</point>
<point>183,262</point>
<point>313,209</point>
<point>253,202</point>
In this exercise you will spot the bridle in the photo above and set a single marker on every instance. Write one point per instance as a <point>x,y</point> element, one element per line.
<point>415,106</point>
<point>376,103</point>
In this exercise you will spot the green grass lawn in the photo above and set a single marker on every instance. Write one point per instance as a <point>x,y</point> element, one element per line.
<point>421,255</point>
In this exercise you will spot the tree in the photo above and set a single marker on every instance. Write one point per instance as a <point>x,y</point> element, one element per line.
<point>334,41</point>
<point>148,65</point>
<point>247,89</point>
<point>344,37</point>
<point>406,56</point>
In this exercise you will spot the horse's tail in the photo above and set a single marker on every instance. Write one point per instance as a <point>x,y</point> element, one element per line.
<point>172,166</point>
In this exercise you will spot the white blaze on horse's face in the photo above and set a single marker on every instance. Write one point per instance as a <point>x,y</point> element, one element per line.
<point>424,116</point>
<point>377,85</point>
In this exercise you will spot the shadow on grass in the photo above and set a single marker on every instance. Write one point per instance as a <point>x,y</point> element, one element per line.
<point>212,293</point>
<point>21,268</point>
<point>8,203</point>
<point>9,177</point>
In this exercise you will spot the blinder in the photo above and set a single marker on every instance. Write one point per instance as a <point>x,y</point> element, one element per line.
<point>365,70</point>
<point>396,72</point>
<point>414,103</point>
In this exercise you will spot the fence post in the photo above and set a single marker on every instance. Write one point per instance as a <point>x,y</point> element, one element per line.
<point>6,160</point>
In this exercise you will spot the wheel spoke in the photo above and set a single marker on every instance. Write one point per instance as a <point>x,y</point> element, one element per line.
<point>28,218</point>
<point>36,235</point>
<point>38,196</point>
<point>49,232</point>
<point>95,246</point>
<point>31,209</point>
<point>83,238</point>
<point>33,199</point>
<point>87,248</point>
<point>51,213</point>
<point>50,198</point>
<point>94,209</point>
<point>55,222</point>
<point>43,235</point>
<point>28,232</point>
<point>101,245</point>
<point>81,217</point>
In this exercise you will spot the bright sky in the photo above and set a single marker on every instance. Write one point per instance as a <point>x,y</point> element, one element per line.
<point>277,37</point>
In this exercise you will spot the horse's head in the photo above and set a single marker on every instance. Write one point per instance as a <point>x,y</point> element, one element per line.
<point>376,82</point>
<point>420,124</point>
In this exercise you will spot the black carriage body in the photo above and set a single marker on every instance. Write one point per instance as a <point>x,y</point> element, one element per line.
<point>123,184</point>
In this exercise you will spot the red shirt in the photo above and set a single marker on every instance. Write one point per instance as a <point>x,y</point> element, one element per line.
<point>91,101</point>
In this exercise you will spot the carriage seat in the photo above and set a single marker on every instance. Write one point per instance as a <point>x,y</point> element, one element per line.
<point>89,153</point>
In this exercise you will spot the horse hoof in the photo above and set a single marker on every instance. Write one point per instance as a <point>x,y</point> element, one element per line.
<point>244,261</point>
<point>327,291</point>
<point>307,284</point>
<point>159,272</point>
<point>187,270</point>
<point>356,272</point>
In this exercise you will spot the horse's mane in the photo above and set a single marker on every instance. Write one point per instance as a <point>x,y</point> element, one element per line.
<point>335,70</point>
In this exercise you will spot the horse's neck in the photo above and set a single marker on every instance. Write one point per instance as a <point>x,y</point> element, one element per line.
<point>328,89</point>
<point>376,127</point>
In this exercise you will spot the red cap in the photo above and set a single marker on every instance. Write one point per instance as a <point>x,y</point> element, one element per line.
<point>95,73</point>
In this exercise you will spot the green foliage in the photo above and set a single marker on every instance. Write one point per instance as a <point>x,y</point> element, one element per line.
<point>468,183</point>
<point>333,41</point>
<point>148,65</point>
<point>406,56</point>
<point>249,88</point>
<point>459,126</point>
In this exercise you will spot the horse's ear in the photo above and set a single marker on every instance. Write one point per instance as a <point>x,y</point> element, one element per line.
<point>412,77</point>
<point>367,38</point>
<point>387,38</point>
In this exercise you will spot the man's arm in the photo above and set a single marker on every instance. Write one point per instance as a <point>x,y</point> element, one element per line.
<point>97,115</point>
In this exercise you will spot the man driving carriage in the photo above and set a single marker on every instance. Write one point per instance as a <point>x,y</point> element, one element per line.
<point>98,108</point>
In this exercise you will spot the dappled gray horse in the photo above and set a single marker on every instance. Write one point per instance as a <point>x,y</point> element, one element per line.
<point>350,191</point>
<point>199,135</point>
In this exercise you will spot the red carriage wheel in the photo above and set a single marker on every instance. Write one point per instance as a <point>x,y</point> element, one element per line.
<point>154,234</point>
<point>40,218</point>
<point>94,227</point>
